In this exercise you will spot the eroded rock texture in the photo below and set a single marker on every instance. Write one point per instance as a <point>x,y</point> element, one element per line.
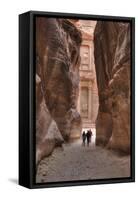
<point>57,51</point>
<point>48,135</point>
<point>112,62</point>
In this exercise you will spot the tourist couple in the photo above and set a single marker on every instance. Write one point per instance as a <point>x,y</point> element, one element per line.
<point>86,136</point>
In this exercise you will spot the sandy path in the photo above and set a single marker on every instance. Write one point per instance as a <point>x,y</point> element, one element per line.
<point>75,162</point>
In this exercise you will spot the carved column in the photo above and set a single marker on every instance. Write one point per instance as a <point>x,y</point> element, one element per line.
<point>78,105</point>
<point>90,101</point>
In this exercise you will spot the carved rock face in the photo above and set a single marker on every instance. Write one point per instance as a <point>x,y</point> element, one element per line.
<point>57,66</point>
<point>112,62</point>
<point>48,135</point>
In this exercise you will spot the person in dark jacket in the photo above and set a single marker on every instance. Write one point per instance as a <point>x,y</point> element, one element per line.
<point>88,135</point>
<point>83,138</point>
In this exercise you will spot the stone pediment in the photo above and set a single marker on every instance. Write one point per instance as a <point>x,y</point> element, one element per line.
<point>86,35</point>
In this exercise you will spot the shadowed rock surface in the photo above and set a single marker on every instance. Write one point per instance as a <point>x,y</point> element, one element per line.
<point>57,66</point>
<point>48,135</point>
<point>112,62</point>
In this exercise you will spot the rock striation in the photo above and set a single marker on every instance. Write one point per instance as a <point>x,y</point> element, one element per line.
<point>48,135</point>
<point>113,63</point>
<point>57,83</point>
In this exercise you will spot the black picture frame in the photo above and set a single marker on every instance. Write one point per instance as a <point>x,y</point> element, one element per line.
<point>27,99</point>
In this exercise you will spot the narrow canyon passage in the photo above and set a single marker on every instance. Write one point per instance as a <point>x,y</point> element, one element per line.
<point>76,162</point>
<point>82,83</point>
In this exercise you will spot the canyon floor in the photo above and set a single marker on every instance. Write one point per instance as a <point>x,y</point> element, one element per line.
<point>76,162</point>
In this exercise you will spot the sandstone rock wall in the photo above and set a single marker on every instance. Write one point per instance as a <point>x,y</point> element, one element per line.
<point>48,135</point>
<point>112,62</point>
<point>57,67</point>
